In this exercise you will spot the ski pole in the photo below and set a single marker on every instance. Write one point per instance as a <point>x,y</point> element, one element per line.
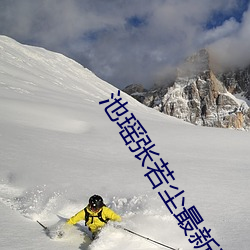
<point>148,239</point>
<point>45,228</point>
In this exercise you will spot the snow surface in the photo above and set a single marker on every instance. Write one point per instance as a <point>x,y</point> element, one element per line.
<point>58,147</point>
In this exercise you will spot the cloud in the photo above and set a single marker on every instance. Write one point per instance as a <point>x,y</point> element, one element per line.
<point>233,49</point>
<point>125,42</point>
<point>228,28</point>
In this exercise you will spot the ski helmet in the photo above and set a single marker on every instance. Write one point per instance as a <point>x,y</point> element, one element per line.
<point>96,202</point>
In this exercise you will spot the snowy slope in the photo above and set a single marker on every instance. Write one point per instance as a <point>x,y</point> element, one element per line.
<point>58,147</point>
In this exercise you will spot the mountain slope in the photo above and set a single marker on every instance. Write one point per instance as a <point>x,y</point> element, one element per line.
<point>58,147</point>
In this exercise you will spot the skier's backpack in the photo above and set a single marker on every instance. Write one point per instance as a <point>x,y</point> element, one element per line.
<point>88,216</point>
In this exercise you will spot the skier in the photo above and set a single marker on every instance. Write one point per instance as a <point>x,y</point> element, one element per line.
<point>95,214</point>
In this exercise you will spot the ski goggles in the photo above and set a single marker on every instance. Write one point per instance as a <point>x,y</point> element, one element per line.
<point>94,208</point>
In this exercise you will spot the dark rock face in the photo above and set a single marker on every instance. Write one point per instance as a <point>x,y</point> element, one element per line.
<point>200,97</point>
<point>237,81</point>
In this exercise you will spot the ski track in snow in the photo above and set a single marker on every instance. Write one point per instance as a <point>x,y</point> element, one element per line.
<point>43,117</point>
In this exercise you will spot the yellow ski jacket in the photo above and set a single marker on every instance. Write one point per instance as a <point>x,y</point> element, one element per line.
<point>94,223</point>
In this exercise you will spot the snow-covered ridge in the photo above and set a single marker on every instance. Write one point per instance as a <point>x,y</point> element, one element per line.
<point>34,73</point>
<point>35,68</point>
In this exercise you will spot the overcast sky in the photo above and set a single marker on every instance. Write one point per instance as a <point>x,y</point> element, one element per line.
<point>131,41</point>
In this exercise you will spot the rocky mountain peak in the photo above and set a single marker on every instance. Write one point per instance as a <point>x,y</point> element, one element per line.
<point>196,64</point>
<point>200,96</point>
